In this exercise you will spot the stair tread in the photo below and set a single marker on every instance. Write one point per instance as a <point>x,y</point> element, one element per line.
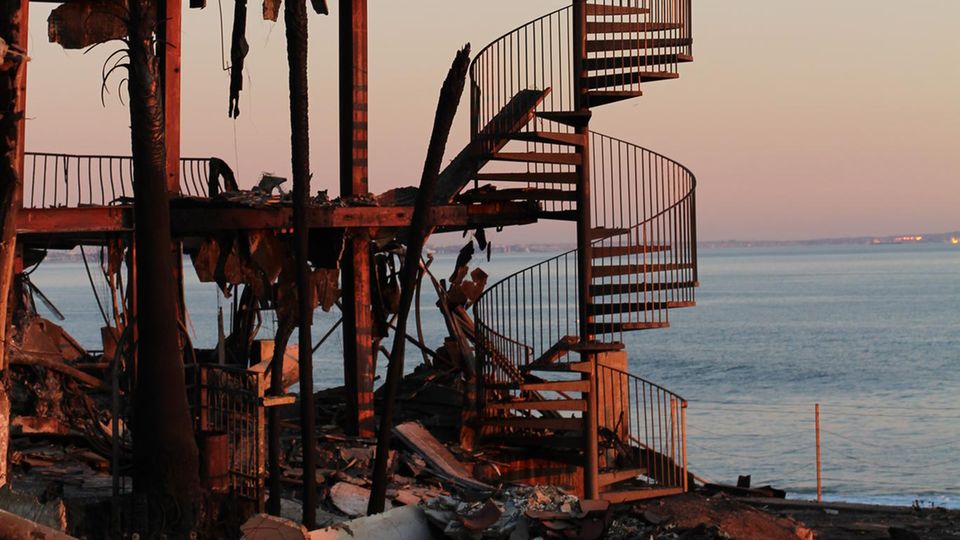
<point>550,137</point>
<point>601,10</point>
<point>555,424</point>
<point>617,327</point>
<point>610,289</point>
<point>569,118</point>
<point>564,367</point>
<point>612,477</point>
<point>563,215</point>
<point>518,194</point>
<point>530,177</point>
<point>602,252</point>
<point>607,45</point>
<point>540,405</point>
<point>634,61</point>
<point>600,233</point>
<point>596,98</point>
<point>626,78</point>
<point>629,27</point>
<point>560,442</point>
<point>557,351</point>
<point>557,386</point>
<point>613,308</point>
<point>539,157</point>
<point>598,346</point>
<point>609,270</point>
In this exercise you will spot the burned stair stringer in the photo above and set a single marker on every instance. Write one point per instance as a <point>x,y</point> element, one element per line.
<point>516,114</point>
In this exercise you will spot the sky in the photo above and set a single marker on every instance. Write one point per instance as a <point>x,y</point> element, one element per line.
<point>801,120</point>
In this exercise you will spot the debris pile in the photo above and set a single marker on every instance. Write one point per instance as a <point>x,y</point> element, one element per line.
<point>423,469</point>
<point>520,512</point>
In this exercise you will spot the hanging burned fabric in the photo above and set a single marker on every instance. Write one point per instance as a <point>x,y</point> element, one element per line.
<point>238,52</point>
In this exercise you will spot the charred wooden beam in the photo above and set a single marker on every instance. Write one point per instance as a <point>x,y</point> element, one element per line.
<point>103,219</point>
<point>169,34</point>
<point>197,221</point>
<point>359,357</point>
<point>13,98</point>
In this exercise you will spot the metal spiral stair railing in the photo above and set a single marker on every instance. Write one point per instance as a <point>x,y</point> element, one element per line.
<point>642,246</point>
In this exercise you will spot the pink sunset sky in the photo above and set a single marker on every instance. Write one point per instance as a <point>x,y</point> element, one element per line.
<point>800,119</point>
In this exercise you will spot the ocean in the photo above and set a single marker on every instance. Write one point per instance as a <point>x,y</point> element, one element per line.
<point>871,333</point>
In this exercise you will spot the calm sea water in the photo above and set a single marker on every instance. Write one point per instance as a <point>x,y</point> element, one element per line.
<point>872,333</point>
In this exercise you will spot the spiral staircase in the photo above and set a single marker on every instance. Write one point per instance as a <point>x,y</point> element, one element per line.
<point>550,337</point>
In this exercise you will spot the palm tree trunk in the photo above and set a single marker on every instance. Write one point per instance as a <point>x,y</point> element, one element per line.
<point>165,452</point>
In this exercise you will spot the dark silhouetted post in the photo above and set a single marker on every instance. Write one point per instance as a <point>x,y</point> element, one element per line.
<point>295,18</point>
<point>166,461</point>
<point>420,228</point>
<point>13,98</point>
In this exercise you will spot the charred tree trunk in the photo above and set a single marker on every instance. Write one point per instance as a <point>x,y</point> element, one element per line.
<point>166,459</point>
<point>295,17</point>
<point>420,229</point>
<point>13,21</point>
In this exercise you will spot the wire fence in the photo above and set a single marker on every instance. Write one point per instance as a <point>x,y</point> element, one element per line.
<point>866,450</point>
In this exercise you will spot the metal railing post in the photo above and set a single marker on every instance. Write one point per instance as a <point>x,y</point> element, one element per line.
<point>683,442</point>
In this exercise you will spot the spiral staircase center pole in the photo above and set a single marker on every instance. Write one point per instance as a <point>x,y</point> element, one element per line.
<point>591,485</point>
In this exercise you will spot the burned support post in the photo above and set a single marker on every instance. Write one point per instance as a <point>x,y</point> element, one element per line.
<point>166,461</point>
<point>13,98</point>
<point>359,357</point>
<point>169,35</point>
<point>420,229</point>
<point>282,337</point>
<point>295,15</point>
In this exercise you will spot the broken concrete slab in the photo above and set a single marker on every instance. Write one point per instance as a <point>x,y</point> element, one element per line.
<point>266,527</point>
<point>350,499</point>
<point>404,523</point>
<point>14,527</point>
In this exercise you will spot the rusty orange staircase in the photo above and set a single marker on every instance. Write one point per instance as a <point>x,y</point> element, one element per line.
<point>550,337</point>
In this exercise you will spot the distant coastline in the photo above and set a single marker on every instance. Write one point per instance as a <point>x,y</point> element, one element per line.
<point>925,238</point>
